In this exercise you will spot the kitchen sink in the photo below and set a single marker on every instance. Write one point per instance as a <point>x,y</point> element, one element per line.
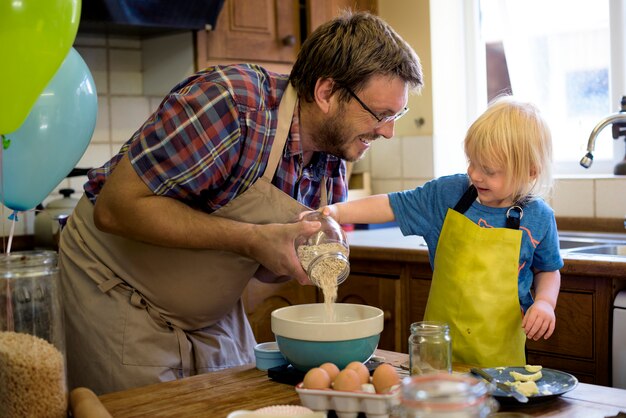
<point>612,249</point>
<point>567,244</point>
<point>606,244</point>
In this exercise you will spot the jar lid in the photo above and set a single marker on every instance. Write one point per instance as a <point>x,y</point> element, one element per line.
<point>27,263</point>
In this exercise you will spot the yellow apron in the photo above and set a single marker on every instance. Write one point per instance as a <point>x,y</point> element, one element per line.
<point>474,290</point>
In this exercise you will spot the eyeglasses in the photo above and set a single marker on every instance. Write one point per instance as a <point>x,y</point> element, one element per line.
<point>381,119</point>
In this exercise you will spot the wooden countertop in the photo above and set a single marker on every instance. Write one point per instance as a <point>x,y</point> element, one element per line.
<point>217,394</point>
<point>389,244</point>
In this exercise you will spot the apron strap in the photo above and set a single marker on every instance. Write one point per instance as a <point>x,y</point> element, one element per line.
<point>324,193</point>
<point>512,222</point>
<point>470,195</point>
<point>466,200</point>
<point>285,116</point>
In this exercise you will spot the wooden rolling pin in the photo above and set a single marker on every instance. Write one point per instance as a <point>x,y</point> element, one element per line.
<point>85,404</point>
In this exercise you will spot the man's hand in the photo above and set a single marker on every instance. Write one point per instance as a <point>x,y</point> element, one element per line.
<point>273,245</point>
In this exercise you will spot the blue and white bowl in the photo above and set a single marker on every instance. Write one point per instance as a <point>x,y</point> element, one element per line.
<point>307,339</point>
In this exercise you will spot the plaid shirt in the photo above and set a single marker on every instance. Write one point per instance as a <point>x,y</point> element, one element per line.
<point>210,139</point>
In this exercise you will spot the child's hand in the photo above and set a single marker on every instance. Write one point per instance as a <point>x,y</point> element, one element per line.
<point>331,211</point>
<point>539,321</point>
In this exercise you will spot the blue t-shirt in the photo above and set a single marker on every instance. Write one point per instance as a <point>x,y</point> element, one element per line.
<point>422,211</point>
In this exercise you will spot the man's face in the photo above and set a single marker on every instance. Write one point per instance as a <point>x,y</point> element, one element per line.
<point>352,126</point>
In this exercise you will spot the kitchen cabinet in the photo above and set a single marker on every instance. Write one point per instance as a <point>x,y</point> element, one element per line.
<point>581,343</point>
<point>267,32</point>
<point>377,285</point>
<point>397,280</point>
<point>260,299</point>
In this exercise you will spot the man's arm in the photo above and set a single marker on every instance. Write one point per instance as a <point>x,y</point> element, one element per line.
<point>127,207</point>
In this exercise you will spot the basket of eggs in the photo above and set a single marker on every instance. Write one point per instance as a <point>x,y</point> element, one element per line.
<point>351,390</point>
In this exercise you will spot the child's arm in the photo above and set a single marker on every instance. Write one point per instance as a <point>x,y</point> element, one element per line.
<point>540,320</point>
<point>368,210</point>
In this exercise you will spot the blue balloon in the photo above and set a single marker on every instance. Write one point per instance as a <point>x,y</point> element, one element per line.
<point>53,138</point>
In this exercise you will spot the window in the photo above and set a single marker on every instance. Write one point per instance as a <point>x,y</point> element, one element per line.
<point>566,56</point>
<point>557,55</point>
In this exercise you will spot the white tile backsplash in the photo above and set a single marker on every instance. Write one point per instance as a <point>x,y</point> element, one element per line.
<point>125,60</point>
<point>610,198</point>
<point>102,131</point>
<point>410,184</point>
<point>96,155</point>
<point>127,115</point>
<point>115,41</point>
<point>386,186</point>
<point>415,153</point>
<point>89,39</point>
<point>573,198</point>
<point>96,60</point>
<point>126,83</point>
<point>385,157</point>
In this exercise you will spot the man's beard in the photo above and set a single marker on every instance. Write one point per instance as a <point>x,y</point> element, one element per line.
<point>332,138</point>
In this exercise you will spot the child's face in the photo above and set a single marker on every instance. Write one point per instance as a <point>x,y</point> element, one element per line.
<point>493,187</point>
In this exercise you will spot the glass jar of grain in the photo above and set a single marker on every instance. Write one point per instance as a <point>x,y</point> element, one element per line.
<point>32,336</point>
<point>324,255</point>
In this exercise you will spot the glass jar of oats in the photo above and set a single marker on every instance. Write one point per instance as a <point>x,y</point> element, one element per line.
<point>324,255</point>
<point>32,337</point>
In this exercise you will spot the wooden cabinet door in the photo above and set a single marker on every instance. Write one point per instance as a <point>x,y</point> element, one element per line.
<point>580,343</point>
<point>252,31</point>
<point>260,299</point>
<point>381,291</point>
<point>267,32</point>
<point>320,11</point>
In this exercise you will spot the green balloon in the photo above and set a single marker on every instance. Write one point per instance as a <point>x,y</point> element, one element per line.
<point>35,38</point>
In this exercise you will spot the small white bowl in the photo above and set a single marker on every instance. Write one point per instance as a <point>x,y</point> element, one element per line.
<point>268,355</point>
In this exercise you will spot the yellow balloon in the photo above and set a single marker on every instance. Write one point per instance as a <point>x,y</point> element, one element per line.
<point>35,38</point>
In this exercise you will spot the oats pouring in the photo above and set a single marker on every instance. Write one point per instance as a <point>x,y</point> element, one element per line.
<point>324,256</point>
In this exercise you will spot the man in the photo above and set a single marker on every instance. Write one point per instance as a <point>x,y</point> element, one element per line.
<point>204,196</point>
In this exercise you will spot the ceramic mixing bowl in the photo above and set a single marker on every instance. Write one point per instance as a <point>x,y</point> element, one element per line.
<point>308,339</point>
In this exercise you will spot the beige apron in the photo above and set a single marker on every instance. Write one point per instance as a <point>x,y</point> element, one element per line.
<point>161,313</point>
<point>474,290</point>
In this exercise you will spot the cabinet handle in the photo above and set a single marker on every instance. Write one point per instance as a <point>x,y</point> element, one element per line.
<point>289,40</point>
<point>387,315</point>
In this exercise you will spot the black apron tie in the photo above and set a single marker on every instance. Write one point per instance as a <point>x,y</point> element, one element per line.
<point>470,195</point>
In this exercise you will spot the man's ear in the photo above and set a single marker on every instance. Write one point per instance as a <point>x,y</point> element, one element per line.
<point>323,94</point>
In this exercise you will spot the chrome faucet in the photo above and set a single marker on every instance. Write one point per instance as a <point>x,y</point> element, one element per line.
<point>618,120</point>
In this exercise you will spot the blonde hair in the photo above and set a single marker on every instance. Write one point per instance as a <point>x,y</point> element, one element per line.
<point>513,136</point>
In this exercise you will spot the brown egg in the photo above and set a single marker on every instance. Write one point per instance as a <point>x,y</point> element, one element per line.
<point>361,369</point>
<point>331,369</point>
<point>347,380</point>
<point>316,378</point>
<point>384,378</point>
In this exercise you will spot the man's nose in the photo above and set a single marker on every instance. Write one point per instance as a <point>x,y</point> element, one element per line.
<point>386,129</point>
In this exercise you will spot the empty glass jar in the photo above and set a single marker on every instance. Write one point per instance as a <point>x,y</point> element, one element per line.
<point>430,348</point>
<point>324,255</point>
